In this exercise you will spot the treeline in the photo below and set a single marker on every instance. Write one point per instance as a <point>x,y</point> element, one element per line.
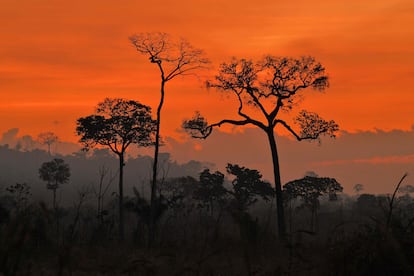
<point>18,166</point>
<point>209,224</point>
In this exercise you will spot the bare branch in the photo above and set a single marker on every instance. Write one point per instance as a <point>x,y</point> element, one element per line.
<point>173,57</point>
<point>289,128</point>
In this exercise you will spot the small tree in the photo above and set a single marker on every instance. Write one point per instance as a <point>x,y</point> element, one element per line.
<point>269,87</point>
<point>55,173</point>
<point>309,189</point>
<point>21,194</point>
<point>358,188</point>
<point>117,124</point>
<point>210,190</point>
<point>173,59</point>
<point>248,186</point>
<point>105,175</point>
<point>47,138</point>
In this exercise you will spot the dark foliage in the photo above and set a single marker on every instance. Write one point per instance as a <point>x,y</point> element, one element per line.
<point>54,173</point>
<point>117,124</point>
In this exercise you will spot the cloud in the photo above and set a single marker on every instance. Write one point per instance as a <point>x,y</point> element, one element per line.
<point>374,158</point>
<point>398,159</point>
<point>60,57</point>
<point>9,137</point>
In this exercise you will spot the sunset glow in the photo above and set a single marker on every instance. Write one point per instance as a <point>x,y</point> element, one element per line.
<point>58,60</point>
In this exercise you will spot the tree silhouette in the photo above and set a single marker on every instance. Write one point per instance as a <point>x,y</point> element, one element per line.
<point>47,138</point>
<point>55,172</point>
<point>21,194</point>
<point>263,91</point>
<point>309,189</point>
<point>358,188</point>
<point>172,58</point>
<point>210,190</point>
<point>248,186</point>
<point>117,124</point>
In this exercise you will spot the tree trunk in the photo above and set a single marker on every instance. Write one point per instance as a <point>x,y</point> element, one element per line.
<point>151,228</point>
<point>121,196</point>
<point>54,198</point>
<point>278,185</point>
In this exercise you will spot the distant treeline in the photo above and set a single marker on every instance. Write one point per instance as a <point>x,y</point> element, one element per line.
<point>23,167</point>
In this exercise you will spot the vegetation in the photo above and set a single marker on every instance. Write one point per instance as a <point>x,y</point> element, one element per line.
<point>47,138</point>
<point>269,87</point>
<point>209,222</point>
<point>117,124</point>
<point>55,173</point>
<point>309,190</point>
<point>173,59</point>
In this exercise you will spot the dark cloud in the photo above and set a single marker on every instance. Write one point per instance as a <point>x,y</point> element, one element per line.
<point>374,158</point>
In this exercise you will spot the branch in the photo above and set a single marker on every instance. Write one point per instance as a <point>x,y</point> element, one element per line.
<point>111,147</point>
<point>251,91</point>
<point>275,111</point>
<point>198,127</point>
<point>391,204</point>
<point>289,128</point>
<point>312,126</point>
<point>180,56</point>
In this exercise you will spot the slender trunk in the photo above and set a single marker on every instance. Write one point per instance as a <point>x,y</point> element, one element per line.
<point>55,208</point>
<point>151,228</point>
<point>54,198</point>
<point>278,185</point>
<point>121,196</point>
<point>99,199</point>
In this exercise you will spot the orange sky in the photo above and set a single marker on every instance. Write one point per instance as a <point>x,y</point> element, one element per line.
<point>58,58</point>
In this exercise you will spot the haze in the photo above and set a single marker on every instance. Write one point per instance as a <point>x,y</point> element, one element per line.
<point>60,58</point>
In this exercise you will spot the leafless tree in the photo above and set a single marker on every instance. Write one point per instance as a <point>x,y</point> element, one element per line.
<point>105,174</point>
<point>47,138</point>
<point>173,58</point>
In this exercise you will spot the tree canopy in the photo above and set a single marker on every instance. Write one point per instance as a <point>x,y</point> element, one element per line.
<point>270,85</point>
<point>265,91</point>
<point>54,172</point>
<point>310,188</point>
<point>117,124</point>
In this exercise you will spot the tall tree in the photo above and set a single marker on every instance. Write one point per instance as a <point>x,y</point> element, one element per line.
<point>47,138</point>
<point>55,172</point>
<point>173,58</point>
<point>117,124</point>
<point>264,90</point>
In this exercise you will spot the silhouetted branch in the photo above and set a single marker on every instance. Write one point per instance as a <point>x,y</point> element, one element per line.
<point>178,58</point>
<point>391,204</point>
<point>289,129</point>
<point>312,126</point>
<point>198,127</point>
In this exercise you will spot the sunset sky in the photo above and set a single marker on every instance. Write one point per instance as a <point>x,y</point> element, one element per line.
<point>58,58</point>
